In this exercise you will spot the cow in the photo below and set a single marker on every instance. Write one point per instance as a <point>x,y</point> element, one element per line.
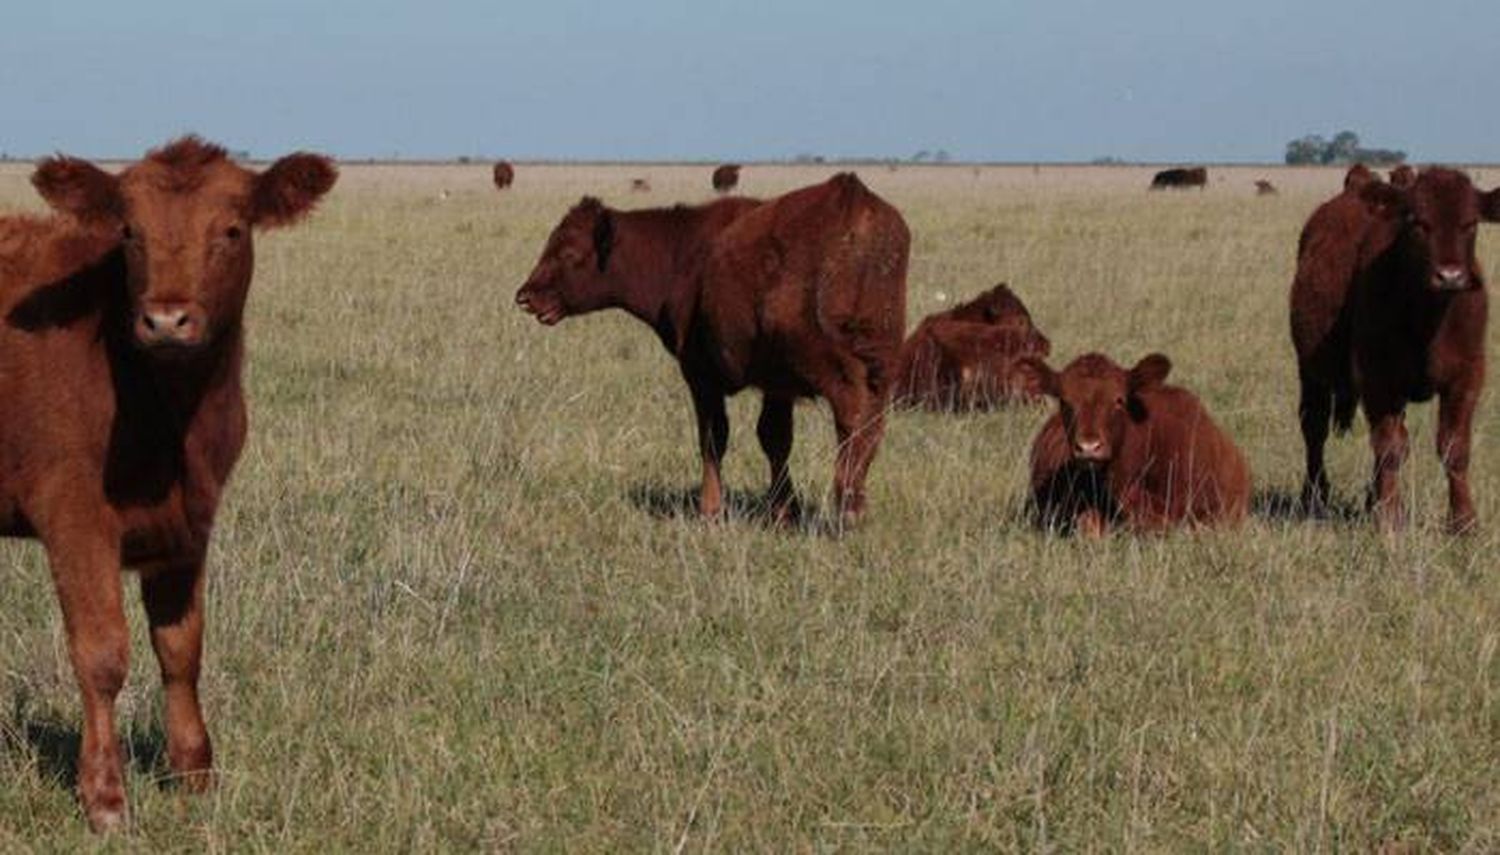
<point>120,368</point>
<point>1126,449</point>
<point>505,175</point>
<point>1180,179</point>
<point>964,358</point>
<point>640,185</point>
<point>726,177</point>
<point>800,296</point>
<point>1264,188</point>
<point>1388,308</point>
<point>1358,176</point>
<point>1403,176</point>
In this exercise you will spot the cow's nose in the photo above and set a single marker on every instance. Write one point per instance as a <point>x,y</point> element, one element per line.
<point>174,323</point>
<point>1090,449</point>
<point>1452,276</point>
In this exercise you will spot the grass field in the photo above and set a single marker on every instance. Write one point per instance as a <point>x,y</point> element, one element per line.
<point>456,603</point>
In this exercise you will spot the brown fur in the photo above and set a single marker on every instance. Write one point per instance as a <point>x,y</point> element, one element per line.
<point>120,359</point>
<point>803,295</point>
<point>1264,188</point>
<point>1180,179</point>
<point>505,175</point>
<point>1388,307</point>
<point>1403,176</point>
<point>1125,448</point>
<point>964,358</point>
<point>1358,176</point>
<point>726,177</point>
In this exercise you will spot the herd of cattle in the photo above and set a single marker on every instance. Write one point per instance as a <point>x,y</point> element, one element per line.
<point>123,343</point>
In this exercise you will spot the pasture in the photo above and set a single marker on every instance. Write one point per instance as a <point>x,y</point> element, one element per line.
<point>457,600</point>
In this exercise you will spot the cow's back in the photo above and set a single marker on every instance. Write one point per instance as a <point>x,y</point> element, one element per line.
<point>1181,462</point>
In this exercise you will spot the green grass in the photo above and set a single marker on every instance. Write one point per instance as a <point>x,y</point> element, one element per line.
<point>453,604</point>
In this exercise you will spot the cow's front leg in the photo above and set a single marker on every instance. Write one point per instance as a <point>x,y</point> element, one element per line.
<point>1455,427</point>
<point>1388,441</point>
<point>173,598</point>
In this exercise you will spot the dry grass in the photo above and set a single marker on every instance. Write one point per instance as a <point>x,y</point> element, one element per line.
<point>453,605</point>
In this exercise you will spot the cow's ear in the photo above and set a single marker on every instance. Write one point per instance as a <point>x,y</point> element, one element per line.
<point>1489,205</point>
<point>1150,371</point>
<point>1037,377</point>
<point>288,190</point>
<point>1383,200</point>
<point>79,188</point>
<point>604,237</point>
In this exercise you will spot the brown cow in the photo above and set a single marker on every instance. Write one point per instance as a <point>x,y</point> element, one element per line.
<point>803,295</point>
<point>120,361</point>
<point>1264,188</point>
<point>726,177</point>
<point>964,358</point>
<point>505,174</point>
<point>1403,176</point>
<point>1388,307</point>
<point>640,185</point>
<point>1126,448</point>
<point>1180,179</point>
<point>1358,176</point>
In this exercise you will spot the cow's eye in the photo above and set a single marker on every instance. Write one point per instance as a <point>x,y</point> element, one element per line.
<point>234,233</point>
<point>126,232</point>
<point>1120,403</point>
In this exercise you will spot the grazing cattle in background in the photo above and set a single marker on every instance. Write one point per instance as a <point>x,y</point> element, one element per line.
<point>800,296</point>
<point>640,185</point>
<point>1126,448</point>
<point>726,177</point>
<point>1358,176</point>
<point>1264,188</point>
<point>120,363</point>
<point>1180,179</point>
<point>1403,176</point>
<point>505,174</point>
<point>964,358</point>
<point>1388,307</point>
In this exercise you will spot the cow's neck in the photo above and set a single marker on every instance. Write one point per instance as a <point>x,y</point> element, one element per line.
<point>168,392</point>
<point>657,259</point>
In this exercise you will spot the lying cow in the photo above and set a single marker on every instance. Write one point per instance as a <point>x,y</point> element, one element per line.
<point>965,358</point>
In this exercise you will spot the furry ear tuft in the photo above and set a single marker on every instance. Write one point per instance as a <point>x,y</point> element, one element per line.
<point>78,188</point>
<point>1150,371</point>
<point>289,189</point>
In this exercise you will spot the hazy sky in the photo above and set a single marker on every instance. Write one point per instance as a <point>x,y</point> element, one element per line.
<point>1156,80</point>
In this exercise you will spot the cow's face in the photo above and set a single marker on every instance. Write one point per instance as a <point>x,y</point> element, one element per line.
<point>570,277</point>
<point>1439,213</point>
<point>185,216</point>
<point>1097,399</point>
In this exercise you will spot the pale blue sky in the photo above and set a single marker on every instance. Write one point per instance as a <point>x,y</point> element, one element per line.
<point>1157,80</point>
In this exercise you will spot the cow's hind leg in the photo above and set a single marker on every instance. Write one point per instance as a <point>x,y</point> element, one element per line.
<point>1315,410</point>
<point>1455,427</point>
<point>174,608</point>
<point>774,429</point>
<point>859,420</point>
<point>713,439</point>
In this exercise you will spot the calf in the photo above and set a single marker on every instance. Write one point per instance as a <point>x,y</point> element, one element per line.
<point>1264,187</point>
<point>120,362</point>
<point>800,296</point>
<point>1125,448</point>
<point>964,358</point>
<point>726,177</point>
<point>1388,307</point>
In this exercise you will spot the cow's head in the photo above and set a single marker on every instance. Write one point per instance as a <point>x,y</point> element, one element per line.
<point>1358,177</point>
<point>1097,399</point>
<point>1439,214</point>
<point>571,276</point>
<point>185,216</point>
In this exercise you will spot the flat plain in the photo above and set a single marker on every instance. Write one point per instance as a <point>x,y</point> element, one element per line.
<point>458,600</point>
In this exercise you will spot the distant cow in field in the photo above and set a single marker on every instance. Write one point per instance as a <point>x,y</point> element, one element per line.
<point>1180,179</point>
<point>1388,307</point>
<point>1403,176</point>
<point>505,174</point>
<point>120,369</point>
<point>800,296</point>
<point>1124,448</point>
<point>640,185</point>
<point>964,358</point>
<point>726,177</point>
<point>1358,176</point>
<point>1264,188</point>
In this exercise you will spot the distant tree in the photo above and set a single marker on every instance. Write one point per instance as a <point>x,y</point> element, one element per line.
<point>1305,151</point>
<point>921,156</point>
<point>1342,150</point>
<point>942,156</point>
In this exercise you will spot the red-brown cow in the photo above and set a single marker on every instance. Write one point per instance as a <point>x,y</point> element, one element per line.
<point>726,177</point>
<point>1403,176</point>
<point>1358,176</point>
<point>505,175</point>
<point>803,295</point>
<point>1124,447</point>
<point>120,362</point>
<point>1264,187</point>
<point>964,358</point>
<point>1388,307</point>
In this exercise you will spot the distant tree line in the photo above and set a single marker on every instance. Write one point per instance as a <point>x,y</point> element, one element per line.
<point>1342,150</point>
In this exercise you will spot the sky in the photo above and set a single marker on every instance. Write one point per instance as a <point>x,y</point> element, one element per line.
<point>985,80</point>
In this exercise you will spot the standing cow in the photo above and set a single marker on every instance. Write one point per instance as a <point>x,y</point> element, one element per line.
<point>800,296</point>
<point>505,175</point>
<point>1388,307</point>
<point>1180,179</point>
<point>120,362</point>
<point>726,177</point>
